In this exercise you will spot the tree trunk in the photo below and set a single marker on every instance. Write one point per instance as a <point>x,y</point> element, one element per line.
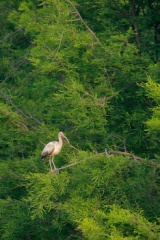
<point>135,24</point>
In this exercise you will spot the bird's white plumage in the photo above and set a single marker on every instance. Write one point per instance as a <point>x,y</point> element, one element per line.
<point>53,148</point>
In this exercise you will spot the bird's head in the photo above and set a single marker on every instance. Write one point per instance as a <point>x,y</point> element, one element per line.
<point>61,134</point>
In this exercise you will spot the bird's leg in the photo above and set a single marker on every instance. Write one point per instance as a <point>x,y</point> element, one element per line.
<point>50,163</point>
<point>53,163</point>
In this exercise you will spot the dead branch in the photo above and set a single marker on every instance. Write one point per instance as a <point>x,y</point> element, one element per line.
<point>23,127</point>
<point>9,100</point>
<point>67,166</point>
<point>81,19</point>
<point>42,143</point>
<point>125,154</point>
<point>150,162</point>
<point>73,147</point>
<point>11,34</point>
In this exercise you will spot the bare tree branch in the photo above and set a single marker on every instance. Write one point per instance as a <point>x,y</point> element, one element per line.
<point>64,167</point>
<point>150,162</point>
<point>9,100</point>
<point>73,147</point>
<point>125,154</point>
<point>108,154</point>
<point>81,19</point>
<point>10,35</point>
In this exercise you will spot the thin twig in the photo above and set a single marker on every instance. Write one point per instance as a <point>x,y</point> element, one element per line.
<point>73,20</point>
<point>10,35</point>
<point>60,42</point>
<point>73,147</point>
<point>42,143</point>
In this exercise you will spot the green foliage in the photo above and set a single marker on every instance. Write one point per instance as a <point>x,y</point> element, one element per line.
<point>14,219</point>
<point>128,224</point>
<point>83,106</point>
<point>88,196</point>
<point>153,123</point>
<point>45,190</point>
<point>153,90</point>
<point>80,67</point>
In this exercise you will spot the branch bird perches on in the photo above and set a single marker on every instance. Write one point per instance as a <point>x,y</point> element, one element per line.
<point>107,153</point>
<point>49,150</point>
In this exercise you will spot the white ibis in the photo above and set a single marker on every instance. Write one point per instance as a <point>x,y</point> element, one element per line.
<point>52,149</point>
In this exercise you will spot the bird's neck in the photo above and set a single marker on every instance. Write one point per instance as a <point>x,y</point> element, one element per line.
<point>60,140</point>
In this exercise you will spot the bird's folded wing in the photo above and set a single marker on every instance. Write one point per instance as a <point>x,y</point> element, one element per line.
<point>48,149</point>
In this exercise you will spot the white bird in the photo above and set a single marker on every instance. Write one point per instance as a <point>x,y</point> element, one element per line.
<point>53,148</point>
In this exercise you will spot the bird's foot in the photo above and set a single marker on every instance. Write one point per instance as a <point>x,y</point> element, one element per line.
<point>56,170</point>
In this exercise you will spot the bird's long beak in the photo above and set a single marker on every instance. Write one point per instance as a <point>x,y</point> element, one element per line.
<point>66,138</point>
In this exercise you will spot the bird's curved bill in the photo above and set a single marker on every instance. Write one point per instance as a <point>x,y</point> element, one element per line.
<point>66,138</point>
